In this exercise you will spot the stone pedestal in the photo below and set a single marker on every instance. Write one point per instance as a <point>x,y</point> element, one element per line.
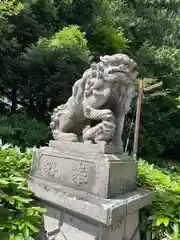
<point>89,192</point>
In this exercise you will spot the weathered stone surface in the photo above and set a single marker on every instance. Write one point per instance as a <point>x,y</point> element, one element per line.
<point>72,227</point>
<point>126,228</point>
<point>86,148</point>
<point>116,231</point>
<point>100,100</point>
<point>75,181</point>
<point>75,215</point>
<point>105,211</point>
<point>87,169</point>
<point>52,220</point>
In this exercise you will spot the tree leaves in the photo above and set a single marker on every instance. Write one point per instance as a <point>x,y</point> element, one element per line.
<point>162,217</point>
<point>53,65</point>
<point>19,217</point>
<point>153,31</point>
<point>164,221</point>
<point>10,7</point>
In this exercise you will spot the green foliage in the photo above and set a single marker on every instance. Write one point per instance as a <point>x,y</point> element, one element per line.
<point>17,31</point>
<point>42,49</point>
<point>153,30</point>
<point>93,18</point>
<point>9,8</point>
<point>49,69</point>
<point>19,215</point>
<point>22,130</point>
<point>70,36</point>
<point>106,40</point>
<point>160,135</point>
<point>161,219</point>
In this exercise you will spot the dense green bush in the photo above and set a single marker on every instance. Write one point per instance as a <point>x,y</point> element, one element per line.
<point>95,20</point>
<point>22,130</point>
<point>37,75</point>
<point>19,214</point>
<point>153,29</point>
<point>162,218</point>
<point>50,68</point>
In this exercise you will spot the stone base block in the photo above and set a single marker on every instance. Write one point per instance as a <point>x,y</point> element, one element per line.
<point>61,225</point>
<point>97,169</point>
<point>76,215</point>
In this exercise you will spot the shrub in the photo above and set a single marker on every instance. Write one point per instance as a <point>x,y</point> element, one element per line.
<point>22,130</point>
<point>19,216</point>
<point>49,70</point>
<point>162,218</point>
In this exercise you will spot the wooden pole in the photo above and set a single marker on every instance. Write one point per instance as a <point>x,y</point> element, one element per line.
<point>138,113</point>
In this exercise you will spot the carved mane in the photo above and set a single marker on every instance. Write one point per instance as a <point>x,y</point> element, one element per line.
<point>105,69</point>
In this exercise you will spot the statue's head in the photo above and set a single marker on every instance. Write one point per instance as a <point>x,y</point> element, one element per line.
<point>104,80</point>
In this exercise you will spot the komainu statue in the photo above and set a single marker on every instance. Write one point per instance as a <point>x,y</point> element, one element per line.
<point>100,100</point>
